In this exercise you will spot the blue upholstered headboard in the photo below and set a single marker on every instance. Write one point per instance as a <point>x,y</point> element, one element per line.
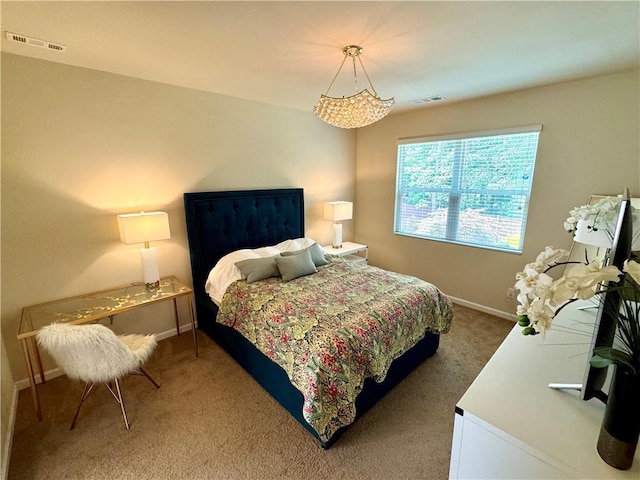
<point>221,222</point>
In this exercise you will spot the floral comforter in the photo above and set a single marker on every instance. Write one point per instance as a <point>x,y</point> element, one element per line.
<point>331,330</point>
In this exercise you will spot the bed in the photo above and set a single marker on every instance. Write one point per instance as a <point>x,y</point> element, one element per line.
<point>222,224</point>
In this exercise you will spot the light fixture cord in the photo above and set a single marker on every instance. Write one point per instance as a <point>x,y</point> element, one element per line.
<point>337,73</point>
<point>355,76</point>
<point>365,74</point>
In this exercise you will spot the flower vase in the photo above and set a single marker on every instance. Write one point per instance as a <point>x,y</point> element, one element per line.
<point>621,424</point>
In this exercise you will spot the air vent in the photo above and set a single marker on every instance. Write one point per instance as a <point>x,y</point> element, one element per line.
<point>35,42</point>
<point>422,101</point>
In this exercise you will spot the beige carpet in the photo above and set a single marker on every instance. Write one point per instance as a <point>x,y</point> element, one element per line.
<point>210,420</point>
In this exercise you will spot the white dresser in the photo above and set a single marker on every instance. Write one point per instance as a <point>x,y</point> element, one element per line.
<point>511,425</point>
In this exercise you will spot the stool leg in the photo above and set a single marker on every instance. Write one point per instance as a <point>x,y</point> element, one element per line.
<point>149,377</point>
<point>85,393</point>
<point>121,402</point>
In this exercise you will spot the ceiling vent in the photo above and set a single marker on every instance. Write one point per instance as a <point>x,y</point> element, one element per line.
<point>422,101</point>
<point>35,42</point>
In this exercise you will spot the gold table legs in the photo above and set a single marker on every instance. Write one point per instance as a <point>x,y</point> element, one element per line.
<point>191,319</point>
<point>28,344</point>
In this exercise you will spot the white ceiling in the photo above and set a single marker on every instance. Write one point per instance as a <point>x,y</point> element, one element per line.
<point>286,53</point>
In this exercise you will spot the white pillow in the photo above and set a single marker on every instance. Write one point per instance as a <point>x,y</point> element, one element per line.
<point>266,251</point>
<point>287,246</point>
<point>225,272</point>
<point>295,244</point>
<point>306,242</point>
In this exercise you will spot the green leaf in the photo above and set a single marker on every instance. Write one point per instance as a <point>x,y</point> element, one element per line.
<point>605,356</point>
<point>600,362</point>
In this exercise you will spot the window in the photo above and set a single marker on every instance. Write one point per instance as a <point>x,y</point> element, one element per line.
<point>472,189</point>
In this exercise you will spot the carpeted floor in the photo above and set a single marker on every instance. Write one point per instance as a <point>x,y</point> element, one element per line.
<point>210,420</point>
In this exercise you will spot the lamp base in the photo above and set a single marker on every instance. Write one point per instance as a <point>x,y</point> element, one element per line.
<point>150,273</point>
<point>337,235</point>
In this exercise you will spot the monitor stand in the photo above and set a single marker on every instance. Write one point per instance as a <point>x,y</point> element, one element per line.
<point>600,395</point>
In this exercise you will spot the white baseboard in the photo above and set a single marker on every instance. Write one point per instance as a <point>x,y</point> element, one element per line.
<point>56,372</point>
<point>482,308</point>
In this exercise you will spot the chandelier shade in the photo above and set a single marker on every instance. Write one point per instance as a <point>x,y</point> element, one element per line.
<point>355,111</point>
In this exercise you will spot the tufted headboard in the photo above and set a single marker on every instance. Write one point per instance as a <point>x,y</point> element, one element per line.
<point>221,222</point>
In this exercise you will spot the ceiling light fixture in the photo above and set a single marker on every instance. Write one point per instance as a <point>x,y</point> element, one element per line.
<point>359,110</point>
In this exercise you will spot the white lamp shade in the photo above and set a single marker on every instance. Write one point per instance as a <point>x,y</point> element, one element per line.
<point>597,238</point>
<point>143,227</point>
<point>337,211</point>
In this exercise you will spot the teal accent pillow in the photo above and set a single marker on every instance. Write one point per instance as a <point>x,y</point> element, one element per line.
<point>254,269</point>
<point>316,251</point>
<point>294,266</point>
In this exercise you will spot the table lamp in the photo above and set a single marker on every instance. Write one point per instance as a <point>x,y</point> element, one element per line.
<point>585,233</point>
<point>337,211</point>
<point>145,227</point>
<point>600,233</point>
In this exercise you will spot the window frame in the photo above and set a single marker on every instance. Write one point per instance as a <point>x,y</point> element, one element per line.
<point>455,192</point>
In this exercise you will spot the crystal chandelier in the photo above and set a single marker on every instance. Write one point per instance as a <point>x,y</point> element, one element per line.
<point>359,110</point>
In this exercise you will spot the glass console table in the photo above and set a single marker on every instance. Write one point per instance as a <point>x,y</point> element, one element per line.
<point>90,308</point>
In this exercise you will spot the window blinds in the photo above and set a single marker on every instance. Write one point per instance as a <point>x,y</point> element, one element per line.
<point>471,189</point>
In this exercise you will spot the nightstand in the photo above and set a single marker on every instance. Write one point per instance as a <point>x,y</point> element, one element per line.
<point>352,252</point>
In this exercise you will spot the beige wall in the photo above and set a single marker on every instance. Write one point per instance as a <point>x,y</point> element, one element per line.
<point>589,144</point>
<point>6,393</point>
<point>80,146</point>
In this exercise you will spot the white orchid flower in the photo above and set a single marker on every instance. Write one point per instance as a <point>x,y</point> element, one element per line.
<point>540,314</point>
<point>525,284</point>
<point>566,288</point>
<point>531,282</point>
<point>523,300</point>
<point>601,213</point>
<point>536,267</point>
<point>599,273</point>
<point>570,224</point>
<point>552,255</point>
<point>581,282</point>
<point>542,285</point>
